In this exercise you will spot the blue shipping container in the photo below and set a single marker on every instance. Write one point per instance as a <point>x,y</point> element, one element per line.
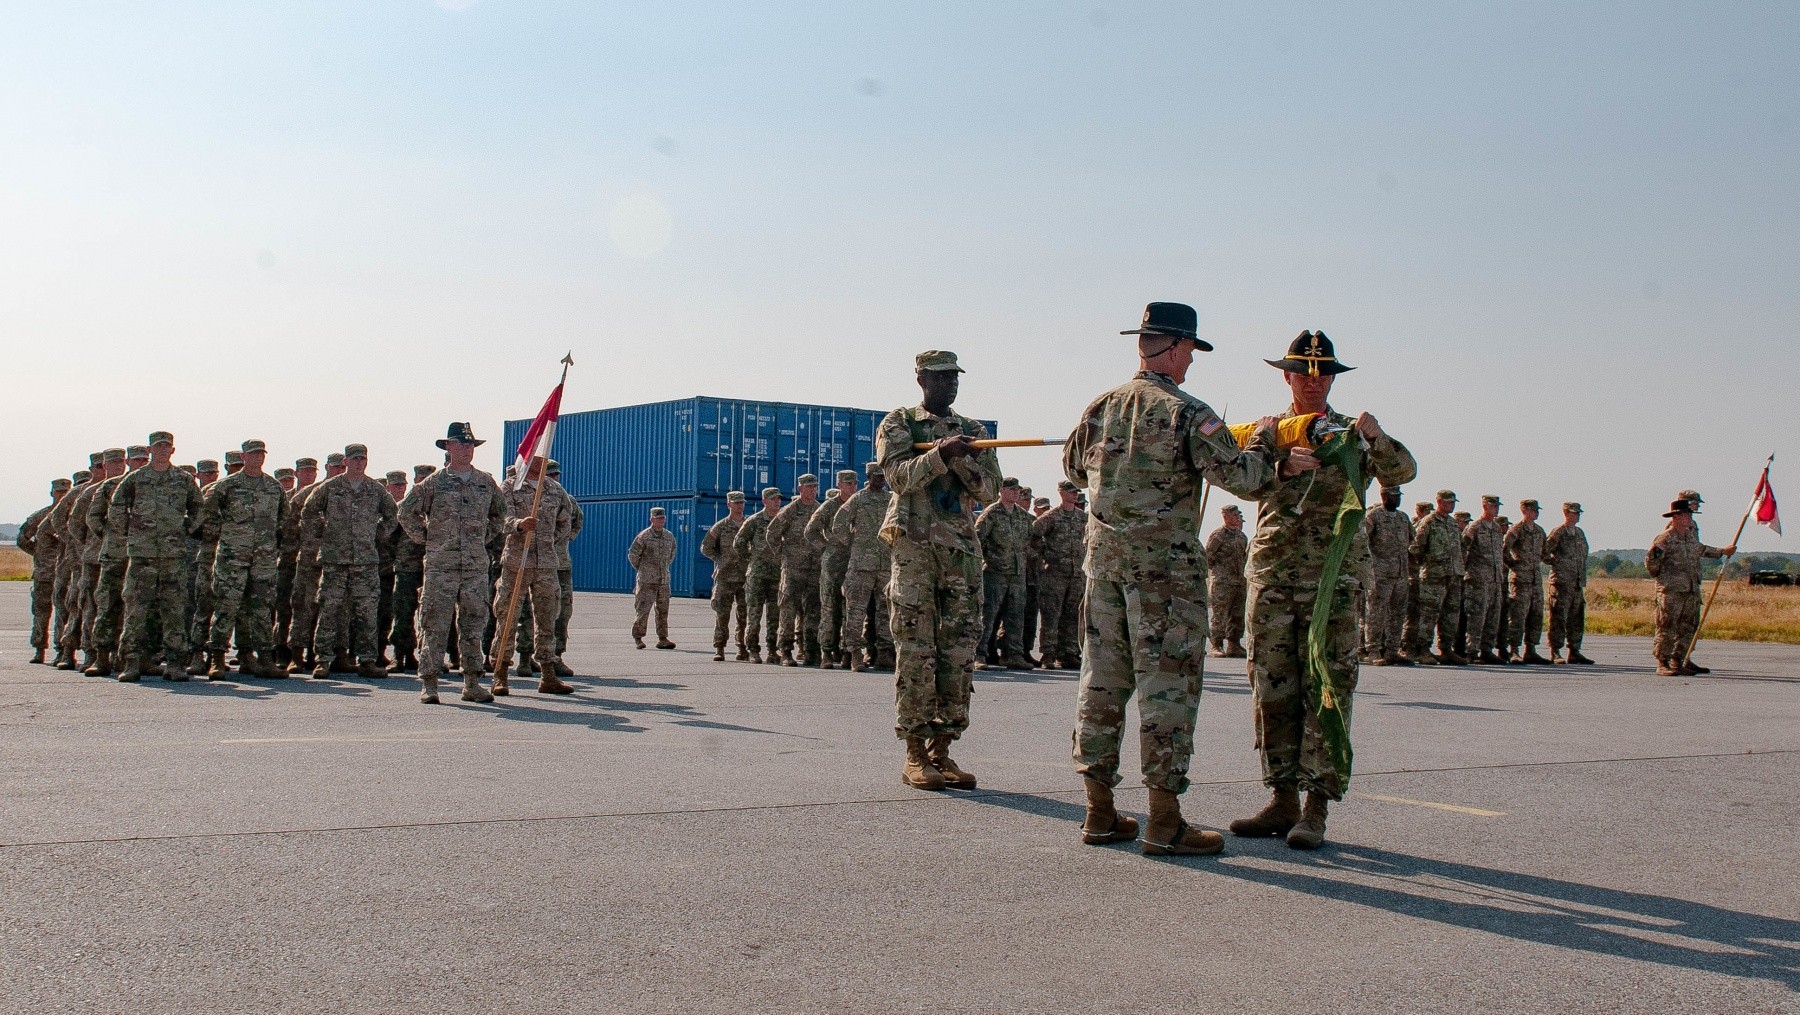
<point>705,447</point>
<point>608,527</point>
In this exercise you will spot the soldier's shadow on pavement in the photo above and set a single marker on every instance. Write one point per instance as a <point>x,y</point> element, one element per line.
<point>999,676</point>
<point>607,715</point>
<point>242,687</point>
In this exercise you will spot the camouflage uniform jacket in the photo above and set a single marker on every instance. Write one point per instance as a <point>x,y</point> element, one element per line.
<point>108,536</point>
<point>787,537</point>
<point>1004,532</point>
<point>652,552</point>
<point>349,517</point>
<point>157,511</point>
<point>1674,560</point>
<point>1566,551</point>
<point>1390,540</point>
<point>818,531</point>
<point>1525,548</point>
<point>1059,536</point>
<point>564,562</point>
<point>1483,543</point>
<point>38,539</point>
<point>1227,553</point>
<point>752,542</point>
<point>243,516</point>
<point>720,546</point>
<point>553,523</point>
<point>934,501</point>
<point>299,539</point>
<point>70,521</point>
<point>857,527</point>
<point>455,517</point>
<point>1437,547</point>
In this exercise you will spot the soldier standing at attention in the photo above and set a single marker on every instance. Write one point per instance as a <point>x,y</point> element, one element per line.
<point>1484,585</point>
<point>108,607</point>
<point>762,576</point>
<point>565,567</point>
<point>1004,529</point>
<point>70,526</point>
<point>1525,591</point>
<point>387,545</point>
<point>1674,561</point>
<point>305,612</point>
<point>409,575</point>
<point>351,513</point>
<point>284,478</point>
<point>75,630</point>
<point>934,594</point>
<point>652,552</point>
<point>1437,547</point>
<point>199,582</point>
<point>38,540</point>
<point>868,563</point>
<point>1034,570</point>
<point>729,565</point>
<point>1385,601</point>
<point>799,575</point>
<point>529,563</point>
<point>1566,551</point>
<point>1227,554</point>
<point>1059,534</point>
<point>1143,451</point>
<point>1294,530</point>
<point>831,572</point>
<point>305,473</point>
<point>241,518</point>
<point>157,508</point>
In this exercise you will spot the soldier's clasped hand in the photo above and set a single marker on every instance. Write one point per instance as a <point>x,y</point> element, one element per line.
<point>1368,427</point>
<point>1298,460</point>
<point>952,448</point>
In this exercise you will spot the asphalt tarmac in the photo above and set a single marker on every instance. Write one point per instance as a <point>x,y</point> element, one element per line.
<point>685,835</point>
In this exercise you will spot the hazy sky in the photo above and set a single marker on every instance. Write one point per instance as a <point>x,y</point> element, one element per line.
<point>1557,239</point>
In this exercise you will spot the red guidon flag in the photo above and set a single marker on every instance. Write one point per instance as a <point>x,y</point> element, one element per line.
<point>538,436</point>
<point>1766,511</point>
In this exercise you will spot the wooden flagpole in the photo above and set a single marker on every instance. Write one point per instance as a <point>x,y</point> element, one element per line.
<point>503,634</point>
<point>1720,577</point>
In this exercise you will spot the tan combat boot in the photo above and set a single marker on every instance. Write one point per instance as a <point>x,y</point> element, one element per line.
<point>954,776</point>
<point>265,666</point>
<point>371,670</point>
<point>1169,835</point>
<point>919,772</point>
<point>1276,817</point>
<point>101,665</point>
<point>472,689</point>
<point>547,682</point>
<point>1104,824</point>
<point>1310,832</point>
<point>502,689</point>
<point>215,667</point>
<point>428,690</point>
<point>561,668</point>
<point>198,666</point>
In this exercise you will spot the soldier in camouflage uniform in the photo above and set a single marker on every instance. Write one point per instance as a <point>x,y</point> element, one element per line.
<point>70,519</point>
<point>934,592</point>
<point>652,553</point>
<point>306,475</point>
<point>40,541</point>
<point>454,513</point>
<point>1227,554</point>
<point>350,513</point>
<point>199,581</point>
<point>107,605</point>
<point>1059,536</point>
<point>241,518</point>
<point>528,566</point>
<point>1437,548</point>
<point>409,575</point>
<point>1296,513</point>
<point>307,573</point>
<point>1004,529</point>
<point>1484,585</point>
<point>68,568</point>
<point>157,508</point>
<point>729,565</point>
<point>762,576</point>
<point>1389,535</point>
<point>1566,551</point>
<point>1143,450</point>
<point>799,638</point>
<point>565,568</point>
<point>867,564</point>
<point>832,564</point>
<point>1524,551</point>
<point>1674,561</point>
<point>1034,572</point>
<point>388,551</point>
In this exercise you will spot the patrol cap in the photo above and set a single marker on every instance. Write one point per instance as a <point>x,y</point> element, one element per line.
<point>96,458</point>
<point>234,458</point>
<point>284,473</point>
<point>807,479</point>
<point>1679,507</point>
<point>60,483</point>
<point>334,459</point>
<point>833,494</point>
<point>657,512</point>
<point>207,465</point>
<point>306,463</point>
<point>396,476</point>
<point>1446,495</point>
<point>160,437</point>
<point>1528,503</point>
<point>253,445</point>
<point>735,497</point>
<point>771,491</point>
<point>1231,509</point>
<point>137,451</point>
<point>1067,484</point>
<point>1461,516</point>
<point>188,470</point>
<point>83,475</point>
<point>1492,498</point>
<point>1691,495</point>
<point>936,359</point>
<point>1421,507</point>
<point>873,469</point>
<point>552,467</point>
<point>356,451</point>
<point>113,455</point>
<point>847,475</point>
<point>1010,483</point>
<point>1570,505</point>
<point>421,471</point>
<point>1041,502</point>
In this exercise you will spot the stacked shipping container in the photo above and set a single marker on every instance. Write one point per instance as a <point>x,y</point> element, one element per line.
<point>685,456</point>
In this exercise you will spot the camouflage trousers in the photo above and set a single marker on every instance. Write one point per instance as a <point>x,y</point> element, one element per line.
<point>1287,731</point>
<point>1525,602</point>
<point>727,597</point>
<point>107,609</point>
<point>43,603</point>
<point>243,599</point>
<point>538,593</point>
<point>403,610</point>
<point>1226,599</point>
<point>645,598</point>
<point>866,604</point>
<point>303,605</point>
<point>68,604</point>
<point>831,606</point>
<point>458,595</point>
<point>347,611</point>
<point>800,612</point>
<point>86,584</point>
<point>1440,607</point>
<point>1568,613</point>
<point>1059,615</point>
<point>1028,633</point>
<point>1483,599</point>
<point>200,600</point>
<point>1002,612</point>
<point>155,594</point>
<point>934,611</point>
<point>384,607</point>
<point>1677,617</point>
<point>1384,616</point>
<point>762,598</point>
<point>565,593</point>
<point>284,597</point>
<point>1147,637</point>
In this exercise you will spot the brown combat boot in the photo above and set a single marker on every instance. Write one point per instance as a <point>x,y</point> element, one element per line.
<point>1309,833</point>
<point>371,670</point>
<point>1169,835</point>
<point>1531,656</point>
<point>1669,668</point>
<point>502,689</point>
<point>37,657</point>
<point>919,772</point>
<point>547,681</point>
<point>263,665</point>
<point>216,667</point>
<point>197,666</point>
<point>1235,650</point>
<point>1578,659</point>
<point>428,691</point>
<point>718,653</point>
<point>1103,824</point>
<point>472,689</point>
<point>755,656</point>
<point>743,654</point>
<point>1276,817</point>
<point>101,666</point>
<point>954,776</point>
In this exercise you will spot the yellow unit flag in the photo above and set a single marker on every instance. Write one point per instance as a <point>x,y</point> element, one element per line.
<point>1292,432</point>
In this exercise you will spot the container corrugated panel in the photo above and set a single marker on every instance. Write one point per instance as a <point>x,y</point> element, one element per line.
<point>705,447</point>
<point>609,526</point>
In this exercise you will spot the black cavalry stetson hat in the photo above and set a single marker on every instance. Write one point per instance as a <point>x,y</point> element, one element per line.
<point>1310,354</point>
<point>461,433</point>
<point>1176,320</point>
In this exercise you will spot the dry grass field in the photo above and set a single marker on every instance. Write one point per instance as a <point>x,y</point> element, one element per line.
<point>15,564</point>
<point>1741,613</point>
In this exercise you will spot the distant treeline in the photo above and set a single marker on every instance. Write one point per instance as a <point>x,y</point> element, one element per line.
<point>1630,564</point>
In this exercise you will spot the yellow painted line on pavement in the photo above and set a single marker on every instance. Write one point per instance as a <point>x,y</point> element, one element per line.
<point>1434,805</point>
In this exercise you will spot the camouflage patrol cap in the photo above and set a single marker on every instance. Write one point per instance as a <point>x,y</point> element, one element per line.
<point>807,479</point>
<point>83,475</point>
<point>137,451</point>
<point>1009,483</point>
<point>833,494</point>
<point>284,473</point>
<point>1041,502</point>
<point>234,458</point>
<point>160,437</point>
<point>207,465</point>
<point>1528,503</point>
<point>421,471</point>
<point>60,483</point>
<point>356,451</point>
<point>96,458</point>
<point>873,469</point>
<point>657,512</point>
<point>771,491</point>
<point>114,455</point>
<point>1421,507</point>
<point>1692,497</point>
<point>1231,509</point>
<point>847,475</point>
<point>1570,505</point>
<point>1461,516</point>
<point>1491,498</point>
<point>306,463</point>
<point>936,359</point>
<point>334,459</point>
<point>253,445</point>
<point>188,469</point>
<point>1067,484</point>
<point>552,467</point>
<point>396,476</point>
<point>1446,495</point>
<point>735,497</point>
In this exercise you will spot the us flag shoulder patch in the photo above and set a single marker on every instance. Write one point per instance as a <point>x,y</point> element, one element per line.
<point>1210,425</point>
